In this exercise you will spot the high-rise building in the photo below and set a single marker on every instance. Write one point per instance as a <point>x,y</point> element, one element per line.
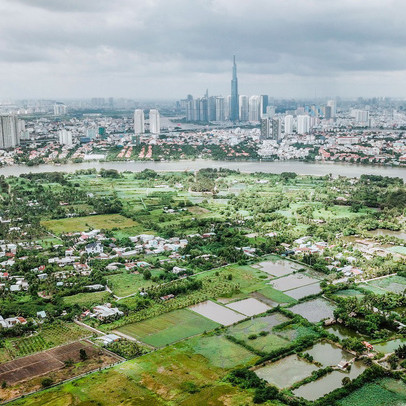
<point>270,111</point>
<point>220,113</point>
<point>288,124</point>
<point>211,108</point>
<point>254,108</point>
<point>265,128</point>
<point>362,117</point>
<point>303,124</point>
<point>234,94</point>
<point>276,129</point>
<point>243,104</point>
<point>264,104</point>
<point>65,137</point>
<point>332,104</point>
<point>10,130</point>
<point>154,122</point>
<point>227,107</point>
<point>60,109</point>
<point>327,112</point>
<point>139,122</point>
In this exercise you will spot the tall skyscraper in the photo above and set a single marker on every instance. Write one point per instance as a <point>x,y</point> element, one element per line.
<point>254,107</point>
<point>243,102</point>
<point>234,94</point>
<point>332,104</point>
<point>265,128</point>
<point>264,104</point>
<point>276,129</point>
<point>288,124</point>
<point>139,122</point>
<point>154,122</point>
<point>220,113</point>
<point>227,107</point>
<point>10,130</point>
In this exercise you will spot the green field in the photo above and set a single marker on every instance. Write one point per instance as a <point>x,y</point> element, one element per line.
<point>124,284</point>
<point>220,351</point>
<point>77,224</point>
<point>48,336</point>
<point>386,392</point>
<point>274,340</point>
<point>175,375</point>
<point>169,327</point>
<point>87,299</point>
<point>398,250</point>
<point>395,284</point>
<point>276,295</point>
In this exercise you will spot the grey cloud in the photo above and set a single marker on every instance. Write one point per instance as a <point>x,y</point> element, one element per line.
<point>183,40</point>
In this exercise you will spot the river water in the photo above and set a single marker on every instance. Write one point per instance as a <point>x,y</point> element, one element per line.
<point>301,168</point>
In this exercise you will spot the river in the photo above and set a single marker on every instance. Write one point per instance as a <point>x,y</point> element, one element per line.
<point>299,167</point>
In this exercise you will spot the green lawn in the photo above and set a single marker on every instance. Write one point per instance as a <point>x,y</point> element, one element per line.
<point>87,299</point>
<point>124,284</point>
<point>398,250</point>
<point>77,224</point>
<point>220,351</point>
<point>276,295</point>
<point>169,327</point>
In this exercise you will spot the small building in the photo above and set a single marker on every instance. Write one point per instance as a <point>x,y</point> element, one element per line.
<point>41,315</point>
<point>94,248</point>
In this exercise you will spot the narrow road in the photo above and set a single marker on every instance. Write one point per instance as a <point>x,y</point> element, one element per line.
<point>92,329</point>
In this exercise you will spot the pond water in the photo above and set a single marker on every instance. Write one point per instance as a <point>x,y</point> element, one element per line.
<point>292,281</point>
<point>314,310</point>
<point>328,354</point>
<point>389,346</point>
<point>217,313</point>
<point>249,307</point>
<point>316,389</point>
<point>278,267</point>
<point>286,371</point>
<point>304,291</point>
<point>382,231</point>
<point>343,332</point>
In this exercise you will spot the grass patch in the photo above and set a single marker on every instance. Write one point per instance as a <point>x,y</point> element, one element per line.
<point>87,299</point>
<point>77,224</point>
<point>169,327</point>
<point>276,295</point>
<point>221,352</point>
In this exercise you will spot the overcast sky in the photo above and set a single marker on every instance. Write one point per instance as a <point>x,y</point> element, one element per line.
<point>160,49</point>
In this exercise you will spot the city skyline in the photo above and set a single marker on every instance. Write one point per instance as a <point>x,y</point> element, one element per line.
<point>163,50</point>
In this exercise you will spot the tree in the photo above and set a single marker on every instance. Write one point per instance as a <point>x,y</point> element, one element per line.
<point>47,382</point>
<point>83,354</point>
<point>147,274</point>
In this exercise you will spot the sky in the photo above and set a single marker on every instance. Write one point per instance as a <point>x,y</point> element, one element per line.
<point>166,49</point>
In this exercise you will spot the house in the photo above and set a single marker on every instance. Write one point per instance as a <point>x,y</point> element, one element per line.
<point>94,248</point>
<point>41,314</point>
<point>176,270</point>
<point>343,364</point>
<point>42,276</point>
<point>94,287</point>
<point>103,312</point>
<point>109,338</point>
<point>167,297</point>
